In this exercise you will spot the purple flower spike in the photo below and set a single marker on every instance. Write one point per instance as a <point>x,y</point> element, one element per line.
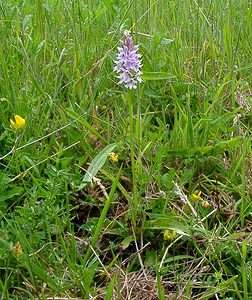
<point>128,63</point>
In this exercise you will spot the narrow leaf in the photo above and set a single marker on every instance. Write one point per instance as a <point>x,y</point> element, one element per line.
<point>156,76</point>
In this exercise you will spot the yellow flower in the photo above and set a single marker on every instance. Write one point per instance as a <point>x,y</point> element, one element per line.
<point>169,236</point>
<point>19,122</point>
<point>17,249</point>
<point>174,234</point>
<point>196,196</point>
<point>113,157</point>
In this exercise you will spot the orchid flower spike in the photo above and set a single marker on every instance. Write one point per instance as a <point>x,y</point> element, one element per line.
<point>128,63</point>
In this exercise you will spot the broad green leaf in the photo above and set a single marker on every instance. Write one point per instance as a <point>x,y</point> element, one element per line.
<point>96,164</point>
<point>165,223</point>
<point>10,193</point>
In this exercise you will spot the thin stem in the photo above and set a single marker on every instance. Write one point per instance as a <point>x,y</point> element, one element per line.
<point>138,121</point>
<point>132,157</point>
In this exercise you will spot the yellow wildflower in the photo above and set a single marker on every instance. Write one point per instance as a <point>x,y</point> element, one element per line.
<point>170,236</point>
<point>113,157</point>
<point>167,235</point>
<point>19,122</point>
<point>17,249</point>
<point>196,196</point>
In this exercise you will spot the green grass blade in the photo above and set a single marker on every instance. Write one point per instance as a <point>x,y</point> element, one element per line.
<point>103,214</point>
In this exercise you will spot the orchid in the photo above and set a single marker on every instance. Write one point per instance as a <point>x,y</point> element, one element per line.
<point>128,63</point>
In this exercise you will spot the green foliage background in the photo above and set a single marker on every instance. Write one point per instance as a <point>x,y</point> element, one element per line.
<point>192,132</point>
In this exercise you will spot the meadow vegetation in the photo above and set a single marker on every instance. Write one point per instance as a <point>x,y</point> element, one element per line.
<point>110,193</point>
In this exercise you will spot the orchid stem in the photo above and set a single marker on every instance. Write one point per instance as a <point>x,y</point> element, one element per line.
<point>132,157</point>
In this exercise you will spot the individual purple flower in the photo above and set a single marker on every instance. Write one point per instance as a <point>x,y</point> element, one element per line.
<point>128,63</point>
